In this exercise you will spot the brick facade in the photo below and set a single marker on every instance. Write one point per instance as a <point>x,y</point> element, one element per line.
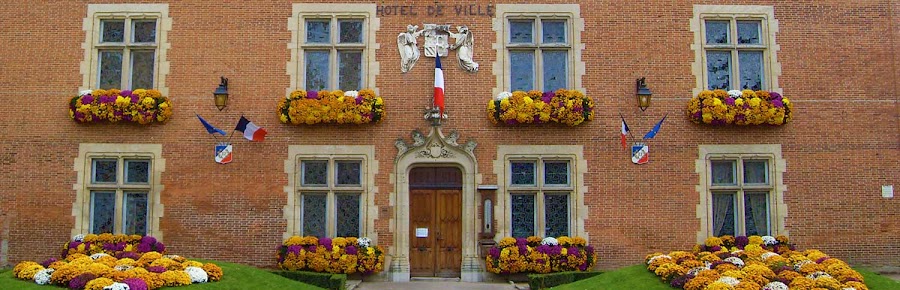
<point>839,67</point>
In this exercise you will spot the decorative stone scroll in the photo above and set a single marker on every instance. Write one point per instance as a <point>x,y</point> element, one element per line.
<point>436,145</point>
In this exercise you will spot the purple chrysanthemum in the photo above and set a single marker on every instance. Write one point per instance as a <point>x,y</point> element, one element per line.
<point>554,250</point>
<point>495,252</point>
<point>697,115</point>
<point>774,96</point>
<point>523,249</point>
<point>135,284</point>
<point>822,259</point>
<point>351,250</point>
<point>729,101</point>
<point>311,248</point>
<point>326,242</point>
<point>46,263</point>
<point>573,251</point>
<point>680,281</point>
<point>359,100</point>
<point>512,122</point>
<point>160,247</point>
<point>741,241</point>
<point>87,99</point>
<point>583,266</point>
<point>135,99</point>
<point>589,250</point>
<point>148,240</point>
<point>312,95</point>
<point>74,244</point>
<point>295,249</point>
<point>80,281</point>
<point>129,255</point>
<point>777,103</point>
<point>521,241</point>
<point>143,248</point>
<point>156,269</point>
<point>547,96</point>
<point>715,248</point>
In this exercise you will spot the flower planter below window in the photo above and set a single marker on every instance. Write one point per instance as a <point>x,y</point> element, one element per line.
<point>736,107</point>
<point>568,107</point>
<point>139,106</point>
<point>312,107</point>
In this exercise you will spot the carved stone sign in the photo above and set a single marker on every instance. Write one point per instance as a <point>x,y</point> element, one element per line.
<point>435,10</point>
<point>436,40</point>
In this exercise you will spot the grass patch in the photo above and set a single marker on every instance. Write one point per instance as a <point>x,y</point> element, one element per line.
<point>236,277</point>
<point>637,277</point>
<point>544,281</point>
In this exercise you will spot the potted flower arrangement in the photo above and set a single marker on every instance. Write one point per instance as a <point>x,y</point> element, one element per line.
<point>537,255</point>
<point>140,106</point>
<point>563,106</point>
<point>313,107</point>
<point>346,255</point>
<point>737,107</point>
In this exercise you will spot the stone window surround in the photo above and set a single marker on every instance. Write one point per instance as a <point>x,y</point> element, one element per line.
<point>81,208</point>
<point>91,26</point>
<point>368,168</point>
<point>577,168</point>
<point>330,10</point>
<point>539,190</point>
<point>772,68</point>
<point>504,12</point>
<point>777,207</point>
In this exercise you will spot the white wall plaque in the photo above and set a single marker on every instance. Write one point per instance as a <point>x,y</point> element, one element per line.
<point>887,191</point>
<point>421,232</point>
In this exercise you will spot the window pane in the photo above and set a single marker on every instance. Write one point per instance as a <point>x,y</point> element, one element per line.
<point>137,171</point>
<point>317,70</point>
<point>751,64</point>
<point>756,171</point>
<point>555,70</point>
<point>521,31</point>
<point>717,32</point>
<point>142,69</point>
<point>756,213</point>
<point>522,173</point>
<point>103,209</point>
<point>522,215</point>
<point>104,170</point>
<point>110,69</point>
<point>351,31</point>
<point>556,173</point>
<point>144,31</point>
<point>113,31</point>
<point>315,173</point>
<point>314,215</point>
<point>135,213</point>
<point>348,173</point>
<point>748,32</point>
<point>521,65</point>
<point>557,215</point>
<point>554,31</point>
<point>723,172</point>
<point>347,215</point>
<point>350,69</point>
<point>318,31</point>
<point>723,214</point>
<point>718,67</point>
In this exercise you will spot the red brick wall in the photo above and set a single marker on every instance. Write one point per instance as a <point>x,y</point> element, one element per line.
<point>839,68</point>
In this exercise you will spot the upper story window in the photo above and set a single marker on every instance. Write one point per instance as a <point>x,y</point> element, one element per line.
<point>540,192</point>
<point>334,52</point>
<point>539,52</point>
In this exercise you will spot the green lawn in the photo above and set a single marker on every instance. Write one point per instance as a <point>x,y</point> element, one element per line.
<point>236,277</point>
<point>637,277</point>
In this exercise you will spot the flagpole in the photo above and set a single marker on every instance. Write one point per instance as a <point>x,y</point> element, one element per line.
<point>629,131</point>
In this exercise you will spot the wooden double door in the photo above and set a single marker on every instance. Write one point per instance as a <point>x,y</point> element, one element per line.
<point>435,222</point>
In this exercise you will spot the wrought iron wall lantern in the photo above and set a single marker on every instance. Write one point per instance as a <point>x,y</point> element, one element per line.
<point>221,94</point>
<point>643,94</point>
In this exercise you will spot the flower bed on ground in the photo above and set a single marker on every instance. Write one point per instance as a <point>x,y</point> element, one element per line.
<point>568,107</point>
<point>537,255</point>
<point>140,106</point>
<point>346,255</point>
<point>736,107</point>
<point>313,107</point>
<point>768,263</point>
<point>118,262</point>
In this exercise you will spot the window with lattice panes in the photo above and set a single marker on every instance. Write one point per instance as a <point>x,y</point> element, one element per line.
<point>334,51</point>
<point>329,193</point>
<point>735,52</point>
<point>119,194</point>
<point>126,52</point>
<point>540,197</point>
<point>741,190</point>
<point>539,52</point>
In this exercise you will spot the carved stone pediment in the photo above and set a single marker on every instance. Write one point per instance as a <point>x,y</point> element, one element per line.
<point>435,145</point>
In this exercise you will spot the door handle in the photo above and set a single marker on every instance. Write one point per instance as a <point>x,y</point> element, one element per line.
<point>450,249</point>
<point>439,236</point>
<point>421,248</point>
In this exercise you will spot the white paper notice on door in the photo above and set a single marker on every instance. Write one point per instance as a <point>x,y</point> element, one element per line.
<point>421,232</point>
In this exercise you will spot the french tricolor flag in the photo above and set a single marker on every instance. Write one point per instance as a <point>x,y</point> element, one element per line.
<point>251,131</point>
<point>438,84</point>
<point>624,134</point>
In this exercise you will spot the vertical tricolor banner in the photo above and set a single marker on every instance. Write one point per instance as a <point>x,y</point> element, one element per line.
<point>438,84</point>
<point>624,134</point>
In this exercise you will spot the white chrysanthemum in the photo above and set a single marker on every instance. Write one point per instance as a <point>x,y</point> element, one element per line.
<point>696,270</point>
<point>98,255</point>
<point>82,93</point>
<point>767,255</point>
<point>817,275</point>
<point>363,242</point>
<point>775,286</point>
<point>735,94</point>
<point>729,280</point>
<point>503,95</point>
<point>736,261</point>
<point>657,257</point>
<point>549,241</point>
<point>117,286</point>
<point>198,275</point>
<point>351,94</point>
<point>43,276</point>
<point>78,238</point>
<point>173,257</point>
<point>769,240</point>
<point>737,252</point>
<point>849,288</point>
<point>800,264</point>
<point>123,267</point>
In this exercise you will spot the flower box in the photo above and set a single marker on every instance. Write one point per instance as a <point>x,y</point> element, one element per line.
<point>736,107</point>
<point>314,107</point>
<point>757,263</point>
<point>140,106</point>
<point>536,255</point>
<point>339,255</point>
<point>568,107</point>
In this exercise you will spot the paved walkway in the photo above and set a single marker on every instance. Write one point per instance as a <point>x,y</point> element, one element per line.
<point>429,285</point>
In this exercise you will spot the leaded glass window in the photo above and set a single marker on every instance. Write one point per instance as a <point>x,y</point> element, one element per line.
<point>137,171</point>
<point>314,215</point>
<point>315,172</point>
<point>120,185</point>
<point>126,58</point>
<point>104,170</point>
<point>522,173</point>
<point>331,190</point>
<point>557,215</point>
<point>334,53</point>
<point>538,53</point>
<point>103,209</point>
<point>723,172</point>
<point>540,192</point>
<point>723,214</point>
<point>556,173</point>
<point>734,54</point>
<point>348,173</point>
<point>136,207</point>
<point>740,190</point>
<point>522,215</point>
<point>347,215</point>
